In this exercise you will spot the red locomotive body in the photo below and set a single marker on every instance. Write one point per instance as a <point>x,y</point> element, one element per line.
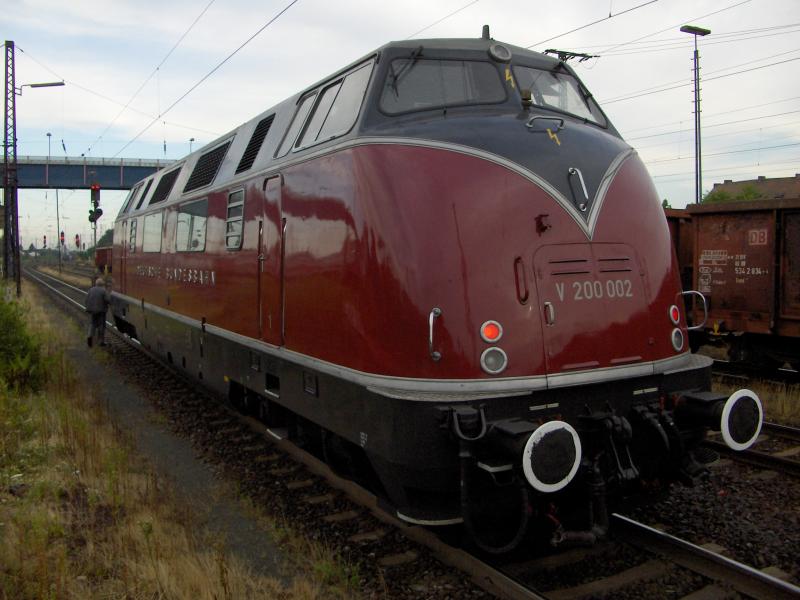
<point>442,270</point>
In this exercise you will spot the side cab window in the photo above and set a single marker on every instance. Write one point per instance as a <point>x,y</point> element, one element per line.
<point>328,113</point>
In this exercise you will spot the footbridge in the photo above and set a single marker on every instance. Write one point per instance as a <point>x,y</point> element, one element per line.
<point>43,172</point>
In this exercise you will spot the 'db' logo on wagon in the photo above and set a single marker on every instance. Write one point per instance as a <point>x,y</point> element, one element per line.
<point>757,237</point>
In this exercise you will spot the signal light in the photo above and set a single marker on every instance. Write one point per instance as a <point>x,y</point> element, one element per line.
<point>491,331</point>
<point>674,314</point>
<point>95,194</point>
<point>44,241</point>
<point>77,241</point>
<point>62,238</point>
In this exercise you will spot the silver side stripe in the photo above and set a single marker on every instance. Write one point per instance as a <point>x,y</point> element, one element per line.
<point>438,390</point>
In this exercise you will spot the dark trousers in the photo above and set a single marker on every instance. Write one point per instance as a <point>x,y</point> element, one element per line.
<point>97,324</point>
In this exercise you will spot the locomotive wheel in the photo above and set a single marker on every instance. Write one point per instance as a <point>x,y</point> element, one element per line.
<point>497,517</point>
<point>338,456</point>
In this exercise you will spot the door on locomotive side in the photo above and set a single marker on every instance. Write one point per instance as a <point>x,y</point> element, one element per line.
<point>123,257</point>
<point>271,229</point>
<point>593,307</point>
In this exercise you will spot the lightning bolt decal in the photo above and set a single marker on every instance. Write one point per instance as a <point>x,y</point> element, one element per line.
<point>553,136</point>
<point>510,77</point>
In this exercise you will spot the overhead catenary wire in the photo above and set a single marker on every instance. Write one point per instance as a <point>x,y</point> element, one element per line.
<point>107,98</point>
<point>705,80</point>
<point>707,77</point>
<point>712,115</point>
<point>711,126</point>
<point>610,16</point>
<point>682,40</point>
<point>207,75</point>
<point>726,152</point>
<point>728,169</point>
<point>737,132</point>
<point>679,23</point>
<point>150,76</point>
<point>682,45</point>
<point>455,12</point>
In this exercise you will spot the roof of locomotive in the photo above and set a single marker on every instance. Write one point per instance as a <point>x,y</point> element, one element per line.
<point>530,57</point>
<point>283,111</point>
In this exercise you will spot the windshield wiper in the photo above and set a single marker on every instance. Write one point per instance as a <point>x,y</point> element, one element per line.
<point>405,69</point>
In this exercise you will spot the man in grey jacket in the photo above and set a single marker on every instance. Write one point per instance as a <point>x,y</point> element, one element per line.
<point>97,300</point>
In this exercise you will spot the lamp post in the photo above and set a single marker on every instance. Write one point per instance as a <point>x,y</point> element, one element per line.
<point>190,144</point>
<point>698,164</point>
<point>11,234</point>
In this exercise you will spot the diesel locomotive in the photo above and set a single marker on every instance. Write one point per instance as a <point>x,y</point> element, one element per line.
<point>442,270</point>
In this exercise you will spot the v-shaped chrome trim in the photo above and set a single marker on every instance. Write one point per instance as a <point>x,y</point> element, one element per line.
<point>587,225</point>
<point>586,222</point>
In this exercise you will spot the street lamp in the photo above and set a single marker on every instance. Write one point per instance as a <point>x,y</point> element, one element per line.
<point>698,165</point>
<point>18,90</point>
<point>190,144</point>
<point>11,233</point>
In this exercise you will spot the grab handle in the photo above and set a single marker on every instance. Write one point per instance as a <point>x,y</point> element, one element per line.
<point>705,309</point>
<point>436,312</point>
<point>575,171</point>
<point>532,121</point>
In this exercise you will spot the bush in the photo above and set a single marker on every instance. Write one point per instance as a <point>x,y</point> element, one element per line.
<point>22,365</point>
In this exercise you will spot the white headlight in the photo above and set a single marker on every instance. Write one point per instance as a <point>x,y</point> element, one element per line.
<point>494,360</point>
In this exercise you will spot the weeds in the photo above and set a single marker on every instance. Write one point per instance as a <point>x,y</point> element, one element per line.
<point>80,515</point>
<point>781,402</point>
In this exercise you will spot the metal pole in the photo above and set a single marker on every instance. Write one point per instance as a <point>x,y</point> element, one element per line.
<point>698,161</point>
<point>698,182</point>
<point>11,234</point>
<point>58,234</point>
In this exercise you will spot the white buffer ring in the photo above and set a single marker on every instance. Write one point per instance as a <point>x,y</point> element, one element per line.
<point>536,437</point>
<point>725,425</point>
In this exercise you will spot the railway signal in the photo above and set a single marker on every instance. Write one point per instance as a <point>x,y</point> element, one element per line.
<point>95,212</point>
<point>78,241</point>
<point>44,241</point>
<point>62,238</point>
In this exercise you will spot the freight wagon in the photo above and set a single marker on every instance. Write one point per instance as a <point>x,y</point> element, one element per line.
<point>746,262</point>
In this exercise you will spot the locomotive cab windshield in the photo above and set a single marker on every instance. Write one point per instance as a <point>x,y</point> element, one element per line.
<point>422,84</point>
<point>558,91</point>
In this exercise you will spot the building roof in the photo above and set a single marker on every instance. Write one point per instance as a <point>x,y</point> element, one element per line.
<point>776,187</point>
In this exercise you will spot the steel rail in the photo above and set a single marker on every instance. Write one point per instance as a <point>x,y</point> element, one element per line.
<point>757,459</point>
<point>784,431</point>
<point>731,369</point>
<point>743,578</point>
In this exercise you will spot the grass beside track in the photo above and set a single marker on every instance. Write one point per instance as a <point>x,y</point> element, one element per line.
<point>82,516</point>
<point>781,402</point>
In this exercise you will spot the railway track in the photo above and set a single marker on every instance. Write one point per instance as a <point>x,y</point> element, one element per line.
<point>740,372</point>
<point>290,481</point>
<point>777,449</point>
<point>642,555</point>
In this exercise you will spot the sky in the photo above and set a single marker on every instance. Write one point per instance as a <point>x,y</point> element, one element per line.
<point>144,78</point>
